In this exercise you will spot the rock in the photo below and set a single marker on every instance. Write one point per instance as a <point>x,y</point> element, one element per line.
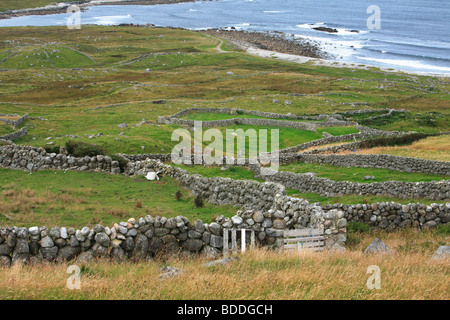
<point>54,232</point>
<point>67,253</point>
<point>128,244</point>
<point>170,272</point>
<point>60,242</point>
<point>237,220</point>
<point>279,224</point>
<point>216,241</point>
<point>22,246</point>
<point>118,255</point>
<point>141,247</point>
<point>194,234</point>
<point>34,248</point>
<point>115,243</point>
<point>49,253</point>
<point>20,258</point>
<point>85,257</point>
<point>85,231</point>
<point>63,233</point>
<point>100,251</point>
<point>122,125</point>
<point>378,246</point>
<point>258,217</point>
<point>47,242</point>
<point>210,252</point>
<point>102,239</point>
<point>442,253</point>
<point>215,228</point>
<point>22,233</point>
<point>193,245</point>
<point>368,177</point>
<point>79,236</point>
<point>99,228</point>
<point>155,245</point>
<point>5,250</point>
<point>341,223</point>
<point>5,261</point>
<point>220,262</point>
<point>34,231</point>
<point>159,232</point>
<point>11,240</point>
<point>199,226</point>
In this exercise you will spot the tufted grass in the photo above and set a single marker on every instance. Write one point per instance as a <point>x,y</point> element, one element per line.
<point>269,275</point>
<point>431,148</point>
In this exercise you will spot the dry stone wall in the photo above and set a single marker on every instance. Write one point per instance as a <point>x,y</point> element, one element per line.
<point>15,135</point>
<point>404,164</point>
<point>14,123</point>
<point>311,126</point>
<point>149,236</point>
<point>309,183</point>
<point>33,159</point>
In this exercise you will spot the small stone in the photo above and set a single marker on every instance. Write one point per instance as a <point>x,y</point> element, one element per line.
<point>377,246</point>
<point>102,239</point>
<point>47,242</point>
<point>442,253</point>
<point>63,233</point>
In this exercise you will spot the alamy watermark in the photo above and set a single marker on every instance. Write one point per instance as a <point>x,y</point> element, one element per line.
<point>74,281</point>
<point>74,21</point>
<point>190,150</point>
<point>374,281</point>
<point>374,21</point>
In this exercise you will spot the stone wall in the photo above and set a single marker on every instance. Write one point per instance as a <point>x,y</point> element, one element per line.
<point>308,183</point>
<point>14,123</point>
<point>33,159</point>
<point>386,161</point>
<point>147,237</point>
<point>272,195</point>
<point>391,215</point>
<point>311,126</point>
<point>15,135</point>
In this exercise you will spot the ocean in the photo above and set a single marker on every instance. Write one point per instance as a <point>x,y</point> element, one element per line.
<point>409,35</point>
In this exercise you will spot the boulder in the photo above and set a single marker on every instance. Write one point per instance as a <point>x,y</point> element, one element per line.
<point>378,246</point>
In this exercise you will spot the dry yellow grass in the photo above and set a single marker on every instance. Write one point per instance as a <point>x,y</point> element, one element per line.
<point>432,148</point>
<point>258,274</point>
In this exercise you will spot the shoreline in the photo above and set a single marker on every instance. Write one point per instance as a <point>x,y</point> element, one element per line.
<point>61,7</point>
<point>268,41</point>
<point>252,44</point>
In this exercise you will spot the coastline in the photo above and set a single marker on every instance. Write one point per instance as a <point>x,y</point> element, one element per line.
<point>293,51</point>
<point>61,7</point>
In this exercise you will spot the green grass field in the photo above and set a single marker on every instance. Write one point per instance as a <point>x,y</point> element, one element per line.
<point>222,116</point>
<point>355,174</point>
<point>76,199</point>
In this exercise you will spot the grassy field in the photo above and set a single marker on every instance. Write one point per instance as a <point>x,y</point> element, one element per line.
<point>222,116</point>
<point>432,148</point>
<point>87,81</point>
<point>77,199</point>
<point>406,275</point>
<point>23,4</point>
<point>355,174</point>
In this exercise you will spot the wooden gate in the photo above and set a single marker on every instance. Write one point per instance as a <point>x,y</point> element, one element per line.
<point>304,239</point>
